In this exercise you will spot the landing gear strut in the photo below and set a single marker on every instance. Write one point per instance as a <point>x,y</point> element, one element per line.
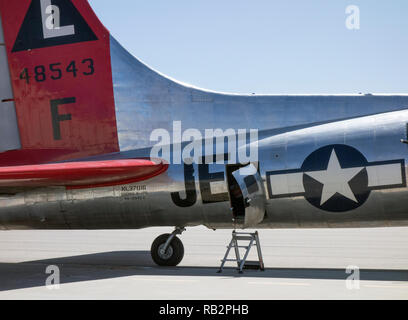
<point>168,250</point>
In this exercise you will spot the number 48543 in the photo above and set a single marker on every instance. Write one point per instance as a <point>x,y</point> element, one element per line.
<point>56,71</point>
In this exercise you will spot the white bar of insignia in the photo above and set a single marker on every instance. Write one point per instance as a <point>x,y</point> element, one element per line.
<point>287,183</point>
<point>384,175</point>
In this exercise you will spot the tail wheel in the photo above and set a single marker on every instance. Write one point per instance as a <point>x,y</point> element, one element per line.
<point>172,256</point>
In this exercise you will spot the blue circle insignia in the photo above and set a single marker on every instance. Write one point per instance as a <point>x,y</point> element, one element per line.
<point>335,178</point>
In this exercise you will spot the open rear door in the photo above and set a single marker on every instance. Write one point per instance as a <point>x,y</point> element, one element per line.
<point>250,183</point>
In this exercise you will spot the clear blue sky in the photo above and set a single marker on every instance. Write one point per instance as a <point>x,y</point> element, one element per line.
<point>267,46</point>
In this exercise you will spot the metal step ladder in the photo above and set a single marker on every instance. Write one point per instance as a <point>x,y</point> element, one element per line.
<point>253,239</point>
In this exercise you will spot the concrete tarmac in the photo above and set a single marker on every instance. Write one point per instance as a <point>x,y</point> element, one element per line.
<point>301,264</point>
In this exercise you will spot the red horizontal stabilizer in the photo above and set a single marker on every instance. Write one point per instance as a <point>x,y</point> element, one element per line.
<point>75,175</point>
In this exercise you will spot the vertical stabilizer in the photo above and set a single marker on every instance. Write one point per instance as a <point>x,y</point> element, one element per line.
<point>60,68</point>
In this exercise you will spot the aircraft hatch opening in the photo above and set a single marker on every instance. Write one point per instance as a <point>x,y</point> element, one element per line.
<point>247,194</point>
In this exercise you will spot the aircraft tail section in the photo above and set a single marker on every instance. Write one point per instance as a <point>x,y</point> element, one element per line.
<point>57,100</point>
<point>69,90</point>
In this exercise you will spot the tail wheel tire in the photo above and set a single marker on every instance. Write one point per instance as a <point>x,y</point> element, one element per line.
<point>173,255</point>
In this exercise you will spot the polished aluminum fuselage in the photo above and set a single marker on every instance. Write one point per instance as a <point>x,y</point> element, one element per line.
<point>290,129</point>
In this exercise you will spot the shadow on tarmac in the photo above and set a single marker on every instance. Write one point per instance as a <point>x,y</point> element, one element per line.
<point>109,265</point>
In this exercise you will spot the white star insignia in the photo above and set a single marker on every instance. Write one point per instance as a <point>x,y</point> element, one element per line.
<point>335,179</point>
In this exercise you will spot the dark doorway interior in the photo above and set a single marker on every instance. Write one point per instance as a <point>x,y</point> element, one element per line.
<point>236,196</point>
